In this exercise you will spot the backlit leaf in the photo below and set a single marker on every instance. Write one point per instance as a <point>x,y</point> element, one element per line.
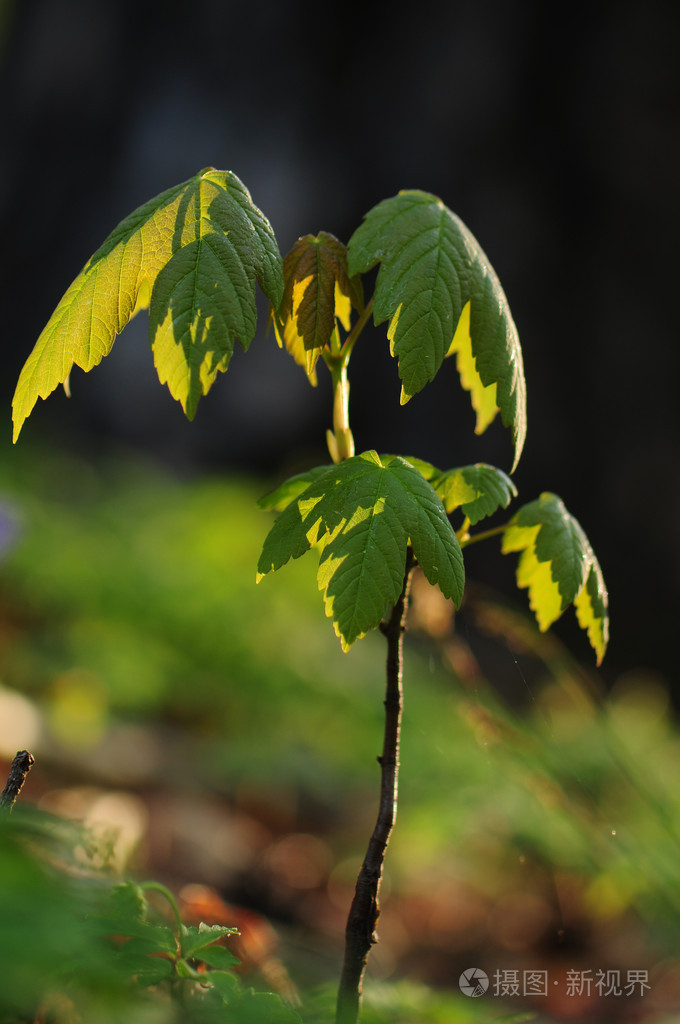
<point>479,490</point>
<point>288,337</point>
<point>317,292</point>
<point>431,267</point>
<point>559,568</point>
<point>482,397</point>
<point>194,253</point>
<point>286,492</point>
<point>362,514</point>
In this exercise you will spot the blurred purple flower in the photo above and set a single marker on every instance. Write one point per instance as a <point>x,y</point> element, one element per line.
<point>10,526</point>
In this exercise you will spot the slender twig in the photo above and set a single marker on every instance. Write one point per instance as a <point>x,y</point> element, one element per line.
<point>360,930</point>
<point>19,769</point>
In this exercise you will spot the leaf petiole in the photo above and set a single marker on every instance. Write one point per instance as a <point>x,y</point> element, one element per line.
<point>466,539</point>
<point>335,343</point>
<point>463,534</point>
<point>358,327</point>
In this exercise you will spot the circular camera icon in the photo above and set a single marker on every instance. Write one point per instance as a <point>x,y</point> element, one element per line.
<point>473,982</point>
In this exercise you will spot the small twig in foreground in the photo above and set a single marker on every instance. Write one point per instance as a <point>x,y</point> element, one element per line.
<point>20,767</point>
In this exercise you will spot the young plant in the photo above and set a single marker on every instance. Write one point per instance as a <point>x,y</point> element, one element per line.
<point>80,944</point>
<point>193,255</point>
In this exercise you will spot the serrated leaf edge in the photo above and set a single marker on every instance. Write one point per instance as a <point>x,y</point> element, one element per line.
<point>598,635</point>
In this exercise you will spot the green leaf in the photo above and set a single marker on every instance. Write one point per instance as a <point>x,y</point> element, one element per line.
<point>227,984</point>
<point>362,514</point>
<point>479,490</point>
<point>148,970</point>
<point>217,956</point>
<point>317,293</point>
<point>196,939</point>
<point>153,939</point>
<point>431,268</point>
<point>281,496</point>
<point>260,1008</point>
<point>143,935</point>
<point>483,397</point>
<point>194,252</point>
<point>125,903</point>
<point>559,568</point>
<point>247,1006</point>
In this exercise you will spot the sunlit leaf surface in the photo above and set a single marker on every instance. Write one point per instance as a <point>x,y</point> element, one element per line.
<point>559,568</point>
<point>194,253</point>
<point>318,292</point>
<point>479,490</point>
<point>431,268</point>
<point>362,514</point>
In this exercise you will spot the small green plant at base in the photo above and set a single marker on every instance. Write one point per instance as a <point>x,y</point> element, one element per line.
<point>193,255</point>
<point>79,945</point>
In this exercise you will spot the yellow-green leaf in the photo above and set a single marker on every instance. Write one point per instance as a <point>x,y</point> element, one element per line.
<point>285,493</point>
<point>362,514</point>
<point>193,253</point>
<point>478,490</point>
<point>288,337</point>
<point>317,293</point>
<point>558,567</point>
<point>482,397</point>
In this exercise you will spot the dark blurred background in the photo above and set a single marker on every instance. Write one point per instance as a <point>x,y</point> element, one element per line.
<point>552,130</point>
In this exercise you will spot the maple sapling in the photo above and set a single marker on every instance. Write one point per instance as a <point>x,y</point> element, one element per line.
<point>193,256</point>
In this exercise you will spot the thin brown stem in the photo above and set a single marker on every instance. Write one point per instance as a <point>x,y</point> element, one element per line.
<point>363,915</point>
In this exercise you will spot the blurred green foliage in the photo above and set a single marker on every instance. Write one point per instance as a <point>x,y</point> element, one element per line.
<point>77,947</point>
<point>544,836</point>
